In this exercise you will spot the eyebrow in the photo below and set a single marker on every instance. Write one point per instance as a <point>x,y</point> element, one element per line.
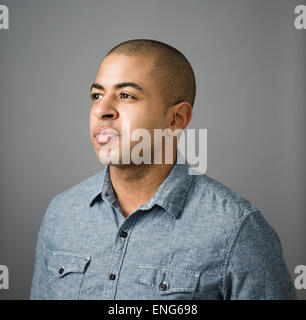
<point>118,86</point>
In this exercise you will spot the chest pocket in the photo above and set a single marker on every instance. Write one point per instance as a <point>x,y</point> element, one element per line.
<point>66,272</point>
<point>165,282</point>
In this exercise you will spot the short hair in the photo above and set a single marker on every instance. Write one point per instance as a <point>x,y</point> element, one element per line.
<point>171,69</point>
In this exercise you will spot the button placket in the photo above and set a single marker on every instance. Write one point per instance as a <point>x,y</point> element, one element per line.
<point>112,276</point>
<point>117,257</point>
<point>123,234</point>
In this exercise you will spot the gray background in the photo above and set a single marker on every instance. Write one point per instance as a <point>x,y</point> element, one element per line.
<point>249,61</point>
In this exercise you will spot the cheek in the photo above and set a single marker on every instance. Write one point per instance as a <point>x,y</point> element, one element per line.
<point>145,116</point>
<point>91,113</point>
<point>91,122</point>
<point>135,117</point>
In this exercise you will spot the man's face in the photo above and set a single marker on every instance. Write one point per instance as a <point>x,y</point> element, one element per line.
<point>124,90</point>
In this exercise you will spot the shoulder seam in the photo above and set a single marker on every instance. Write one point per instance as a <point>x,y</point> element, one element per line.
<point>223,194</point>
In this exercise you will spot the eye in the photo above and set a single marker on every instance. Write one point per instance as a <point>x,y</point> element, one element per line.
<point>96,96</point>
<point>126,96</point>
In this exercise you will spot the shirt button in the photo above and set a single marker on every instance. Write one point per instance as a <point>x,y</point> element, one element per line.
<point>162,287</point>
<point>123,234</point>
<point>112,276</point>
<point>61,270</point>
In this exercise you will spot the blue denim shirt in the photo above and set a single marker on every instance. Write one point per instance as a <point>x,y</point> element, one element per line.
<point>195,239</point>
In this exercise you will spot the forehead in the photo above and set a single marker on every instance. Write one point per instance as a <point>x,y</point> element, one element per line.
<point>118,67</point>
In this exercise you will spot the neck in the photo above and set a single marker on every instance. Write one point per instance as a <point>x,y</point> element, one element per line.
<point>134,185</point>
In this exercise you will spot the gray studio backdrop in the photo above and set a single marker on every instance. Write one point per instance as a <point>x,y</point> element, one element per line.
<point>249,61</point>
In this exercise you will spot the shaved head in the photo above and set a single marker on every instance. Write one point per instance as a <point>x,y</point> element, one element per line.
<point>172,71</point>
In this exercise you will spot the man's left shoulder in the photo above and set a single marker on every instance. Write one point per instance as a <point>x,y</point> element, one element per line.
<point>219,200</point>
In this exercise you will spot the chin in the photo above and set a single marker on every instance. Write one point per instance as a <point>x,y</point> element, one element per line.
<point>109,155</point>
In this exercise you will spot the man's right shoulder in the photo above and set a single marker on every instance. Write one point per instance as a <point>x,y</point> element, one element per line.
<point>82,192</point>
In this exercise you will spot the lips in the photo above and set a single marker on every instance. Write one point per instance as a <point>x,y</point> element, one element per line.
<point>104,134</point>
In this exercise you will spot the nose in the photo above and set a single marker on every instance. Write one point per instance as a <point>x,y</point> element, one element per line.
<point>105,110</point>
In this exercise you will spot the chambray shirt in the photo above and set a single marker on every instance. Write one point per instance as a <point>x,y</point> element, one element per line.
<point>195,239</point>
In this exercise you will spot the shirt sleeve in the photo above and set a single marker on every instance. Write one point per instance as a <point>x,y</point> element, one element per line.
<point>254,266</point>
<point>39,288</point>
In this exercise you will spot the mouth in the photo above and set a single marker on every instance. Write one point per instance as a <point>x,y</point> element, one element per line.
<point>104,135</point>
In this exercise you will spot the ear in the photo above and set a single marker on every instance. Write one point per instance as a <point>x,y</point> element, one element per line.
<point>180,115</point>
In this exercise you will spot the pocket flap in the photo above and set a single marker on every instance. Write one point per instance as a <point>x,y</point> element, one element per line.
<point>62,262</point>
<point>166,279</point>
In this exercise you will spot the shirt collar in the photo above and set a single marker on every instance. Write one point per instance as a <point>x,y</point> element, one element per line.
<point>171,194</point>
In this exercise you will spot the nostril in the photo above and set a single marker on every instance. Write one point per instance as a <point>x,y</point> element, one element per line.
<point>107,116</point>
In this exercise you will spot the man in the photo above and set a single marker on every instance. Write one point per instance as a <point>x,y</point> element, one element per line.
<point>147,230</point>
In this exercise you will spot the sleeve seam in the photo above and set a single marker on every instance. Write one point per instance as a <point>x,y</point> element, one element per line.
<point>231,246</point>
